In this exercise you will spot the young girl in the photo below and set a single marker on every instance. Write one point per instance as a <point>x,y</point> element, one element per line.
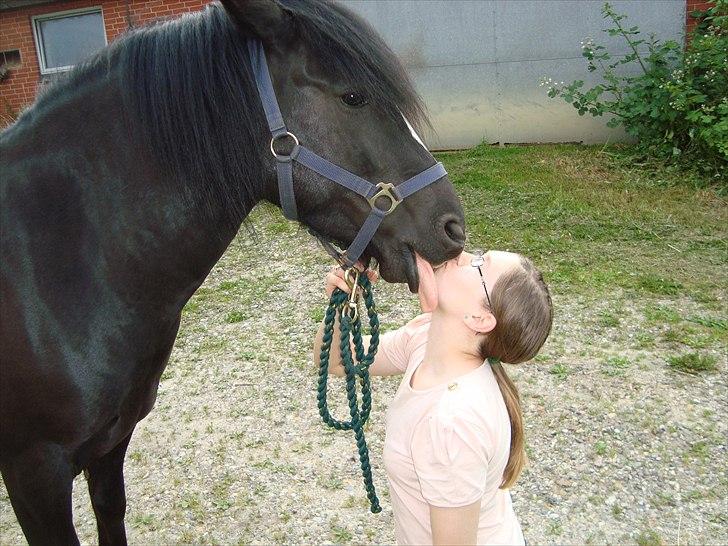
<point>454,430</point>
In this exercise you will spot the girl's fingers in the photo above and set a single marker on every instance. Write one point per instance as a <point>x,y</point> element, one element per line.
<point>334,280</point>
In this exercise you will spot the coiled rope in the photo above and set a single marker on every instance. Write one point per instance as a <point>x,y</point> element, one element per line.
<point>344,307</point>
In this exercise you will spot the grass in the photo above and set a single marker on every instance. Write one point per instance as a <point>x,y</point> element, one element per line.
<point>554,529</point>
<point>657,314</point>
<point>608,319</point>
<point>656,284</point>
<point>710,322</point>
<point>340,534</point>
<point>615,366</point>
<point>593,227</point>
<point>699,450</point>
<point>648,537</point>
<point>235,316</point>
<point>331,482</point>
<point>560,371</point>
<point>693,363</point>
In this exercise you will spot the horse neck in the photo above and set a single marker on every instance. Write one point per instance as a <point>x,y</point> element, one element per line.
<point>156,240</point>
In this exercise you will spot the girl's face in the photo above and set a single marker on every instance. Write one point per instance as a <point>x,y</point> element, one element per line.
<point>459,286</point>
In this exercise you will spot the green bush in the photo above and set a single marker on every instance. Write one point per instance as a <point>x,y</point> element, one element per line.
<point>676,107</point>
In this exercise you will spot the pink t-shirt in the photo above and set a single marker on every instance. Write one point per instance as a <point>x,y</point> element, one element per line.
<point>445,446</point>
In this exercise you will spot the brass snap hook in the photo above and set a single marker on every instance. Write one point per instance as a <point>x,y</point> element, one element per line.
<point>351,306</point>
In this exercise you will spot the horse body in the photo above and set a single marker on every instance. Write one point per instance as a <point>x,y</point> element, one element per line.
<point>98,261</point>
<point>103,239</point>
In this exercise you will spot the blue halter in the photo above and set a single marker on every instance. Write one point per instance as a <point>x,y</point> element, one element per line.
<point>304,156</point>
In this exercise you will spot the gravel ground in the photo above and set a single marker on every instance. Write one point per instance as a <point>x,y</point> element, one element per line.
<point>622,449</point>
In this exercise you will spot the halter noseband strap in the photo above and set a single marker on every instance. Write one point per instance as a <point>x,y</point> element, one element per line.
<point>304,156</point>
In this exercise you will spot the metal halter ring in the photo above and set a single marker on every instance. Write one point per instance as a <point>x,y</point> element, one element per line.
<point>388,191</point>
<point>278,137</point>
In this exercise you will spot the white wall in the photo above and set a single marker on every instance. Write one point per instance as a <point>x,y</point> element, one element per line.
<point>478,63</point>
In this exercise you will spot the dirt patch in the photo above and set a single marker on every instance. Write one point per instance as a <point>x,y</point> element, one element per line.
<point>621,447</point>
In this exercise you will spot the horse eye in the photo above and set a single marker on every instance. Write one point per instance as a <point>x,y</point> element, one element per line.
<point>354,99</point>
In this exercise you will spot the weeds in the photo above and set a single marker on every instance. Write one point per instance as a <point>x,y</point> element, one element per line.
<point>693,363</point>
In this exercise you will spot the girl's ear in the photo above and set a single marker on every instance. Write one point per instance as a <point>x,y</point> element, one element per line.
<point>263,19</point>
<point>480,324</point>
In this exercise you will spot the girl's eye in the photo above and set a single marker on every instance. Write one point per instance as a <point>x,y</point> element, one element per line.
<point>354,99</point>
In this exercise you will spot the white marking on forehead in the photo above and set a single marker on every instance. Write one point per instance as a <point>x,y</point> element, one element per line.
<point>413,132</point>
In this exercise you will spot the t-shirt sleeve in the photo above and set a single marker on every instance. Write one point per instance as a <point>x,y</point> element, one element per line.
<point>451,455</point>
<point>397,345</point>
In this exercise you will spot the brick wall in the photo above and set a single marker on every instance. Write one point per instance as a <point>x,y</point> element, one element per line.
<point>19,87</point>
<point>695,5</point>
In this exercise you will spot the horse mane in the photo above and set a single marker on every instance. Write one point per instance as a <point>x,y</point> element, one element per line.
<point>187,89</point>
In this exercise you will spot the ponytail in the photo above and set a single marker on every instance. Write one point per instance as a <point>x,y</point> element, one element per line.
<point>517,457</point>
<point>521,305</point>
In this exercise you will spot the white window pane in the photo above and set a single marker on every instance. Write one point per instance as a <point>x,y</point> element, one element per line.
<point>69,40</point>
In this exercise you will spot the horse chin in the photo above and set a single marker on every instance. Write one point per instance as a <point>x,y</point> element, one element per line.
<point>399,266</point>
<point>396,265</point>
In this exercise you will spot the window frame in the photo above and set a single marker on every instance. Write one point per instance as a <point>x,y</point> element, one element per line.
<point>39,45</point>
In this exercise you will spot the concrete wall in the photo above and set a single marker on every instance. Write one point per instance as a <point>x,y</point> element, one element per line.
<point>478,63</point>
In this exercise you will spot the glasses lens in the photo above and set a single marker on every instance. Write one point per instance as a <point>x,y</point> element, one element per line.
<point>477,260</point>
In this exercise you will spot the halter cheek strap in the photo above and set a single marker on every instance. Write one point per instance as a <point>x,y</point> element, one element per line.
<point>304,156</point>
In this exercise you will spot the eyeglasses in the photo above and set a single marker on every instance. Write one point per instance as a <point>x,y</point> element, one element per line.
<point>477,261</point>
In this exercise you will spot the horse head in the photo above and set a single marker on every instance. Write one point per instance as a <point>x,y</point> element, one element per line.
<point>347,97</point>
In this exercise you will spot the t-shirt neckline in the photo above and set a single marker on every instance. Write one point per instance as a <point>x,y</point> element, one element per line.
<point>410,388</point>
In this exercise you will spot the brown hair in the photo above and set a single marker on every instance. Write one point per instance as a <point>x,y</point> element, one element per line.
<point>521,305</point>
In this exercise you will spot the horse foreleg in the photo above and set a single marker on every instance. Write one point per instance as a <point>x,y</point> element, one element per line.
<point>106,487</point>
<point>39,481</point>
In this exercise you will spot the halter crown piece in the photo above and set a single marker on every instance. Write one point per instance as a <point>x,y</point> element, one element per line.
<point>304,156</point>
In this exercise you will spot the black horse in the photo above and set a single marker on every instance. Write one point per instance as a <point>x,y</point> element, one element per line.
<point>123,185</point>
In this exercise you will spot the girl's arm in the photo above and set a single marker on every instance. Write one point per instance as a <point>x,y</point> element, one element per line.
<point>381,365</point>
<point>455,525</point>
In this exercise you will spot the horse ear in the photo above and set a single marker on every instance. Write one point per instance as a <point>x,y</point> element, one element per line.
<point>262,18</point>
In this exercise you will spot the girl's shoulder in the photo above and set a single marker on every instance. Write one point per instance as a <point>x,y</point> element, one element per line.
<point>415,331</point>
<point>473,400</point>
<point>419,322</point>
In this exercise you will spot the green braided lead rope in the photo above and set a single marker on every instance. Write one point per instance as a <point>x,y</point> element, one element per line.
<point>359,368</point>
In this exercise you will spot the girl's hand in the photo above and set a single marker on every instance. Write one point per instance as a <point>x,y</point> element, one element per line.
<point>335,279</point>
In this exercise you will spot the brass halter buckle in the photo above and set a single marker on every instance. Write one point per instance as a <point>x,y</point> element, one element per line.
<point>351,307</point>
<point>385,190</point>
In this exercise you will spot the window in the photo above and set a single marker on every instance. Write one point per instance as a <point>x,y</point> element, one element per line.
<point>66,38</point>
<point>8,61</point>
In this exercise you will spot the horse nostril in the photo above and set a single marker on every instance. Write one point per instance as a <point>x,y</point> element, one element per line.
<point>455,232</point>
